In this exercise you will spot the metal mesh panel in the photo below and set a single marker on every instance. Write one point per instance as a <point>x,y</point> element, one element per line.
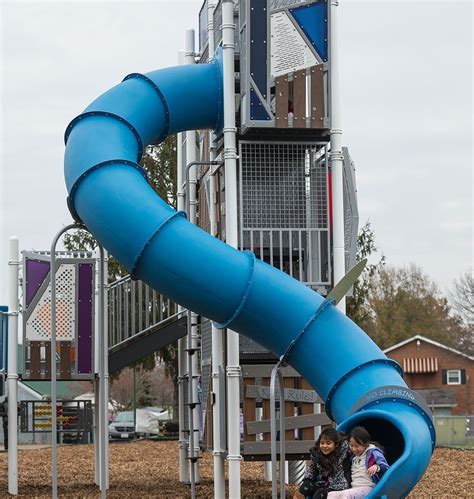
<point>218,24</point>
<point>283,186</point>
<point>203,18</point>
<point>38,326</point>
<point>206,339</point>
<point>205,387</point>
<point>284,207</point>
<point>351,212</point>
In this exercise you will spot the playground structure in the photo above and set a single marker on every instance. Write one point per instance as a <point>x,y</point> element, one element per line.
<point>272,180</point>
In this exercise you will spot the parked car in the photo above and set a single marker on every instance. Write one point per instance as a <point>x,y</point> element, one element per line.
<point>170,429</point>
<point>122,427</point>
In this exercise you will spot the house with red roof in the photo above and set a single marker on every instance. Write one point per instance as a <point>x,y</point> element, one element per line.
<point>442,375</point>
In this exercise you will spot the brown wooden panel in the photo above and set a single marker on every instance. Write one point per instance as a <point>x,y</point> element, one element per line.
<point>289,407</point>
<point>266,409</point>
<point>306,433</point>
<point>205,151</point>
<point>249,410</point>
<point>281,101</point>
<point>294,447</point>
<point>65,360</point>
<point>309,420</point>
<point>220,204</point>
<point>299,99</point>
<point>35,359</point>
<point>294,395</point>
<point>217,210</point>
<point>317,97</point>
<point>208,437</point>
<point>265,371</point>
<point>203,213</point>
<point>47,369</point>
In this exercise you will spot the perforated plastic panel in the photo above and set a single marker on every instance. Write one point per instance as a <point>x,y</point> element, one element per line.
<point>38,326</point>
<point>280,4</point>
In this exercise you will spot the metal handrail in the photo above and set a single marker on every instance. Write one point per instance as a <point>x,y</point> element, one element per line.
<point>122,343</point>
<point>134,309</point>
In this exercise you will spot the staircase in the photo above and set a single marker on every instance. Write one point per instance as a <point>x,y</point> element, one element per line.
<point>140,321</point>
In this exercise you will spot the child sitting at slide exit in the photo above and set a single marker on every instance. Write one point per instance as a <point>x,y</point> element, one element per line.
<point>368,466</point>
<point>329,468</point>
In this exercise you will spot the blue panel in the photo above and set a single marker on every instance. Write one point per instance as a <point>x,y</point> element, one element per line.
<point>257,109</point>
<point>3,338</point>
<point>313,20</point>
<point>258,45</point>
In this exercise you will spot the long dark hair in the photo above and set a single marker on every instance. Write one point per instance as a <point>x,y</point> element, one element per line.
<point>360,435</point>
<point>328,462</point>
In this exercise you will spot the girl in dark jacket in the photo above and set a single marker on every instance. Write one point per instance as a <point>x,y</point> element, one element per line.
<point>330,466</point>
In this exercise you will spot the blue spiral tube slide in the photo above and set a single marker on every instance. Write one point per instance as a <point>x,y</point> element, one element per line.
<point>109,193</point>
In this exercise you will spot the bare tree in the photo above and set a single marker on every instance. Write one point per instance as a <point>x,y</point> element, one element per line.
<point>153,387</point>
<point>463,297</point>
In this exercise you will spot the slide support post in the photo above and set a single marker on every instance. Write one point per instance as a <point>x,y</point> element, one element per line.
<point>183,442</point>
<point>230,159</point>
<point>218,406</point>
<point>54,424</point>
<point>12,369</point>
<point>336,157</point>
<point>191,201</point>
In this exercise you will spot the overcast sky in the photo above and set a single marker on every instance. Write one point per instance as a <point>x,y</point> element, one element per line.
<point>406,104</point>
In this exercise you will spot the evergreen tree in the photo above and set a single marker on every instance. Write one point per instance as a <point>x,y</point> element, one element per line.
<point>356,305</point>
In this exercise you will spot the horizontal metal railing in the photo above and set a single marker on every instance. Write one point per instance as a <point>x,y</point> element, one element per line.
<point>134,308</point>
<point>301,253</point>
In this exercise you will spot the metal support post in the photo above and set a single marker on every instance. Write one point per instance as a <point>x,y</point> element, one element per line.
<point>12,369</point>
<point>191,201</point>
<point>54,427</point>
<point>106,363</point>
<point>103,380</point>
<point>192,404</point>
<point>183,442</point>
<point>96,427</point>
<point>276,373</point>
<point>230,158</point>
<point>217,357</point>
<point>336,156</point>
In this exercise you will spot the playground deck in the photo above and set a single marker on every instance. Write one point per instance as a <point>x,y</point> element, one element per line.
<point>150,469</point>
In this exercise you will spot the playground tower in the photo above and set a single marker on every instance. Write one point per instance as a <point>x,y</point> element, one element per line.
<point>283,207</point>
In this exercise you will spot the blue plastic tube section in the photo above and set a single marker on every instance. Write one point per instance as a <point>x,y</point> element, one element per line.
<point>109,193</point>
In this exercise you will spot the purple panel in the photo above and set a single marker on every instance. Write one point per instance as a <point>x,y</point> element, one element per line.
<point>36,272</point>
<point>84,319</point>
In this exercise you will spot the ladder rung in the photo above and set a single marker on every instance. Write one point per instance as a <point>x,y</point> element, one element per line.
<point>192,404</point>
<point>191,351</point>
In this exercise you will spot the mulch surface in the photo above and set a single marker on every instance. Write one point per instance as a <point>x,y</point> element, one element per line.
<point>150,469</point>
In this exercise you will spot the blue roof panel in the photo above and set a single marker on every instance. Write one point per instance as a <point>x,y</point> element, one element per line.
<point>313,20</point>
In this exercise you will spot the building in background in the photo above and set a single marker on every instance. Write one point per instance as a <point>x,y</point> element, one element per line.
<point>442,375</point>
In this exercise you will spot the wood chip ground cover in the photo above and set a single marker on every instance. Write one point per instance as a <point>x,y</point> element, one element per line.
<point>150,469</point>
